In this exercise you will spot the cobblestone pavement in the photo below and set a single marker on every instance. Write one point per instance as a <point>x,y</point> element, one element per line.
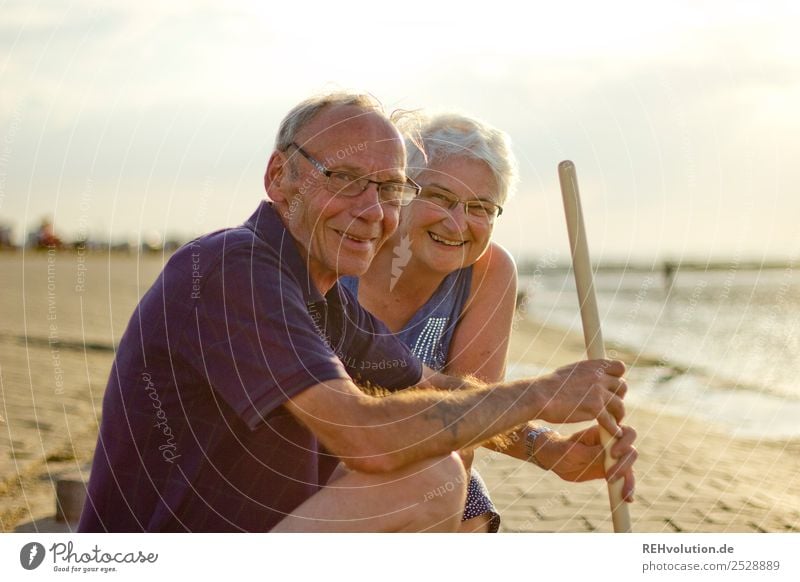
<point>709,484</point>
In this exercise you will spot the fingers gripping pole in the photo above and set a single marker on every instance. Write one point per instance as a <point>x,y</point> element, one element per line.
<point>590,317</point>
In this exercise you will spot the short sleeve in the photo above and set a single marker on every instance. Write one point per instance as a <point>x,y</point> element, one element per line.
<point>257,344</point>
<point>374,354</point>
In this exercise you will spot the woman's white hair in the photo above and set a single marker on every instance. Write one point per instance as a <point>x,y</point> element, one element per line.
<point>432,138</point>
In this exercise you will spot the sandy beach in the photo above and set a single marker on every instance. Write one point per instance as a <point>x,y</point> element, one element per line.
<point>61,314</point>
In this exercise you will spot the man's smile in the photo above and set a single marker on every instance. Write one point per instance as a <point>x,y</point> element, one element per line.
<point>355,240</point>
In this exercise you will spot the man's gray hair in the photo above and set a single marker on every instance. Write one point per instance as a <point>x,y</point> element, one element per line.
<point>432,138</point>
<point>305,111</point>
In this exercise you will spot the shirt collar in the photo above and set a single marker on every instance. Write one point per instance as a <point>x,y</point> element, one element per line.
<point>268,226</point>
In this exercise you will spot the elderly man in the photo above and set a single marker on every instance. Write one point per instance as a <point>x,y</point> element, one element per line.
<point>232,396</point>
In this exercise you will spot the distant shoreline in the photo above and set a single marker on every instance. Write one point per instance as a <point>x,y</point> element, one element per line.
<point>527,268</point>
<point>526,265</point>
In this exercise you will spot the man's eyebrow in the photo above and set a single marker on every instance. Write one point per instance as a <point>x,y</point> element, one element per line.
<point>346,168</point>
<point>396,175</point>
<point>449,191</point>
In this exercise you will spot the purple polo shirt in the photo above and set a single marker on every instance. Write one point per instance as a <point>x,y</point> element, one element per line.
<point>194,434</point>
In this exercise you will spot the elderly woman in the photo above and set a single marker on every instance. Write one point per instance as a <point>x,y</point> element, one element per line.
<point>449,293</point>
<point>439,283</point>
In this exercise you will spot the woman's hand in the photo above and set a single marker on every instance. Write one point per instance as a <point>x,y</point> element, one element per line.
<point>579,457</point>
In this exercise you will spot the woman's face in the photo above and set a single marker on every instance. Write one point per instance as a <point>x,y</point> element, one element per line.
<point>446,240</point>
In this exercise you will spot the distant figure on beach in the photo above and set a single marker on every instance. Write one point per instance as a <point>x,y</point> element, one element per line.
<point>246,373</point>
<point>670,269</point>
<point>448,292</point>
<point>5,236</point>
<point>45,236</point>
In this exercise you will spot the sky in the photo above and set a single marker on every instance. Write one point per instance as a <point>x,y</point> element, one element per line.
<point>148,118</point>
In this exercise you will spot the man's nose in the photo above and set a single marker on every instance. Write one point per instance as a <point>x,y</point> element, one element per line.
<point>368,204</point>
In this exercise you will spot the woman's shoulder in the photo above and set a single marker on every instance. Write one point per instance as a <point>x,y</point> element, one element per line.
<point>495,263</point>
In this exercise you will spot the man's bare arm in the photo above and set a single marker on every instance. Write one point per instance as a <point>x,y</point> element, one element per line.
<point>375,434</point>
<point>433,380</point>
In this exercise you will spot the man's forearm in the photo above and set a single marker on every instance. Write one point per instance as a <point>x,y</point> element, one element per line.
<point>382,433</point>
<point>422,423</point>
<point>434,380</point>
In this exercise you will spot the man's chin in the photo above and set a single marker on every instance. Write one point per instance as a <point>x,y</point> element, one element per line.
<point>353,267</point>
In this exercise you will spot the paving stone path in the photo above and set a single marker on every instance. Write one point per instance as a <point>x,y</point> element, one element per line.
<point>689,478</point>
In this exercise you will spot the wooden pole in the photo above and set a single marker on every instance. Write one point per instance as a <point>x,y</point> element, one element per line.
<point>590,317</point>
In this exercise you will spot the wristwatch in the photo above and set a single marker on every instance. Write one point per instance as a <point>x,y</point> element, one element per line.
<point>530,440</point>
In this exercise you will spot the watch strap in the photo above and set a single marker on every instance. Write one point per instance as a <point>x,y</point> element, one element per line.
<point>530,442</point>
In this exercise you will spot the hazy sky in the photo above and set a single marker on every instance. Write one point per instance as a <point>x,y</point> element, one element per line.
<point>682,117</point>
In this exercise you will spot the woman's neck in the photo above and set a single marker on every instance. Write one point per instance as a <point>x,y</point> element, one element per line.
<point>396,294</point>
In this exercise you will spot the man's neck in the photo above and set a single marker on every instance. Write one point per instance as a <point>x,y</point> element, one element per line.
<point>320,277</point>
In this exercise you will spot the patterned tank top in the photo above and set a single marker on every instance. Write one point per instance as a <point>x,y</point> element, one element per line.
<point>430,331</point>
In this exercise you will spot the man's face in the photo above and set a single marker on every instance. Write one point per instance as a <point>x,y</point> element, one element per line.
<point>340,235</point>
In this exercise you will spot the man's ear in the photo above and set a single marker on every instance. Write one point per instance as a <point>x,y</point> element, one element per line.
<point>276,176</point>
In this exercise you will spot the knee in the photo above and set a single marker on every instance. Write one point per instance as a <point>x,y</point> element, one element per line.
<point>444,490</point>
<point>451,469</point>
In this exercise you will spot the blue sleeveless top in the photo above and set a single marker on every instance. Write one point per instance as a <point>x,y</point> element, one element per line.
<point>430,331</point>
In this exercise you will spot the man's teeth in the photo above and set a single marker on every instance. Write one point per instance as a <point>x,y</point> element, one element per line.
<point>355,238</point>
<point>450,243</point>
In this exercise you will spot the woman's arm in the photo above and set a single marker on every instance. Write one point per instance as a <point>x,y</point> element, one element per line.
<point>479,346</point>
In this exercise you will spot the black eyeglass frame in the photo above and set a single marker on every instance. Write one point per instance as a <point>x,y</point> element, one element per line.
<point>409,185</point>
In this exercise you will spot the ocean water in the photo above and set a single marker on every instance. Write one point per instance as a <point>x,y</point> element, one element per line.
<point>723,345</point>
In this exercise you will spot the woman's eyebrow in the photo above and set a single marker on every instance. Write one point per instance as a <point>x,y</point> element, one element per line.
<point>445,189</point>
<point>439,187</point>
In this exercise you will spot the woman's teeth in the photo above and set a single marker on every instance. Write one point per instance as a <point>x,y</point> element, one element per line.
<point>450,243</point>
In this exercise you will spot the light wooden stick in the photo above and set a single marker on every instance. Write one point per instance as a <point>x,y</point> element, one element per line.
<point>590,317</point>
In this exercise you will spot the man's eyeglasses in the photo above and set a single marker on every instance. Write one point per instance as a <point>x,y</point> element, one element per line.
<point>349,185</point>
<point>480,210</point>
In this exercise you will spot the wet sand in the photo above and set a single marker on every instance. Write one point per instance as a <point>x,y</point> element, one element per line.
<point>690,477</point>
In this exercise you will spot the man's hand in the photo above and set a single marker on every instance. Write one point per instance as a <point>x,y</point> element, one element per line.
<point>586,390</point>
<point>579,457</point>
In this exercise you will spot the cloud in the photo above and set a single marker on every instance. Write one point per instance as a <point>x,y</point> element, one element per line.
<point>676,114</point>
